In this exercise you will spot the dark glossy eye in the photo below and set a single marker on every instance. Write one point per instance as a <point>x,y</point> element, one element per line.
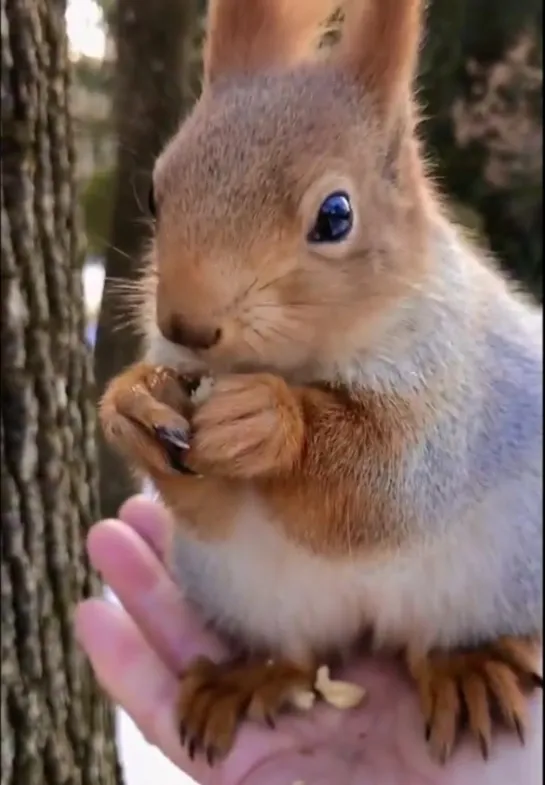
<point>334,220</point>
<point>152,207</point>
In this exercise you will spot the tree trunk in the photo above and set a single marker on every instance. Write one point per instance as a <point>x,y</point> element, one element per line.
<point>57,728</point>
<point>154,43</point>
<point>481,88</point>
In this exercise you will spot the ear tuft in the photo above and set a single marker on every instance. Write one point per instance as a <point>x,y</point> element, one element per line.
<point>380,45</point>
<point>245,36</point>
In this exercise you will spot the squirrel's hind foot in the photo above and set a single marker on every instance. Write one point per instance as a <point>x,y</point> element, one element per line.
<point>216,697</point>
<point>475,684</point>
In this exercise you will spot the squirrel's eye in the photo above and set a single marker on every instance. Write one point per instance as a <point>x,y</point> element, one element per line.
<point>334,220</point>
<point>152,207</point>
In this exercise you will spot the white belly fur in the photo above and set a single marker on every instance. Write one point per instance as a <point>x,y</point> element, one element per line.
<point>270,593</point>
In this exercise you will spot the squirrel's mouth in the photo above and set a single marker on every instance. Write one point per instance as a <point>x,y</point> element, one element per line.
<point>222,360</point>
<point>202,362</point>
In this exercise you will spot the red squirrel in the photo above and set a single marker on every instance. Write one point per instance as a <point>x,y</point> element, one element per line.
<point>369,459</point>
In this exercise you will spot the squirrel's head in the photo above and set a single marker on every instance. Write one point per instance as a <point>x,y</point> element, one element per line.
<point>289,205</point>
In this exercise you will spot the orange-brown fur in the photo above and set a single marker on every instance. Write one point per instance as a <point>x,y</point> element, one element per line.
<point>245,36</point>
<point>289,441</point>
<point>383,50</point>
<point>340,435</point>
<point>300,430</point>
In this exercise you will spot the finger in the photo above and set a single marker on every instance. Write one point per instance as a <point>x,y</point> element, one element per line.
<point>147,592</point>
<point>135,678</point>
<point>150,520</point>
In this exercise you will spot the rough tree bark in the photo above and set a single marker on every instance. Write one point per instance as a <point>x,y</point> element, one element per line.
<point>57,729</point>
<point>155,49</point>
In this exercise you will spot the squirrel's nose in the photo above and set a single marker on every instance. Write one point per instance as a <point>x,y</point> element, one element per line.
<point>177,331</point>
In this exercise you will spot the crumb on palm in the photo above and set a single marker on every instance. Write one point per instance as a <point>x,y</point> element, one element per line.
<point>341,695</point>
<point>203,390</point>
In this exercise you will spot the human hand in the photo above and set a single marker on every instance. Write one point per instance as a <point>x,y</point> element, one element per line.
<point>138,651</point>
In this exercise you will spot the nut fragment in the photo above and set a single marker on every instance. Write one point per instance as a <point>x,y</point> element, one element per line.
<point>202,391</point>
<point>340,694</point>
<point>302,699</point>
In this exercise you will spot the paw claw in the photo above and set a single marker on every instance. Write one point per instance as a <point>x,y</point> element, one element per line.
<point>216,698</point>
<point>175,436</point>
<point>243,709</point>
<point>192,748</point>
<point>519,727</point>
<point>175,442</point>
<point>210,756</point>
<point>483,744</point>
<point>497,673</point>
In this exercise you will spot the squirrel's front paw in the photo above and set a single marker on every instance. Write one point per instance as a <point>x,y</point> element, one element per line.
<point>215,698</point>
<point>251,425</point>
<point>142,415</point>
<point>471,682</point>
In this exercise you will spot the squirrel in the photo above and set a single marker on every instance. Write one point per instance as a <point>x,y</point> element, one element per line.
<point>369,457</point>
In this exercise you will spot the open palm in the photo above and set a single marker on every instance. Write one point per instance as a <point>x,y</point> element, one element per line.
<point>138,650</point>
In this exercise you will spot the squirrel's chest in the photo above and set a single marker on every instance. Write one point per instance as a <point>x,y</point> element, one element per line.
<point>264,590</point>
<point>268,592</point>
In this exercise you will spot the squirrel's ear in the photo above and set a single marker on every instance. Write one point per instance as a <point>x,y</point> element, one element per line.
<point>380,46</point>
<point>244,36</point>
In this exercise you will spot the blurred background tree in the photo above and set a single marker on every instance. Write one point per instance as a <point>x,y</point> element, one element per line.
<point>57,727</point>
<point>154,43</point>
<point>482,94</point>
